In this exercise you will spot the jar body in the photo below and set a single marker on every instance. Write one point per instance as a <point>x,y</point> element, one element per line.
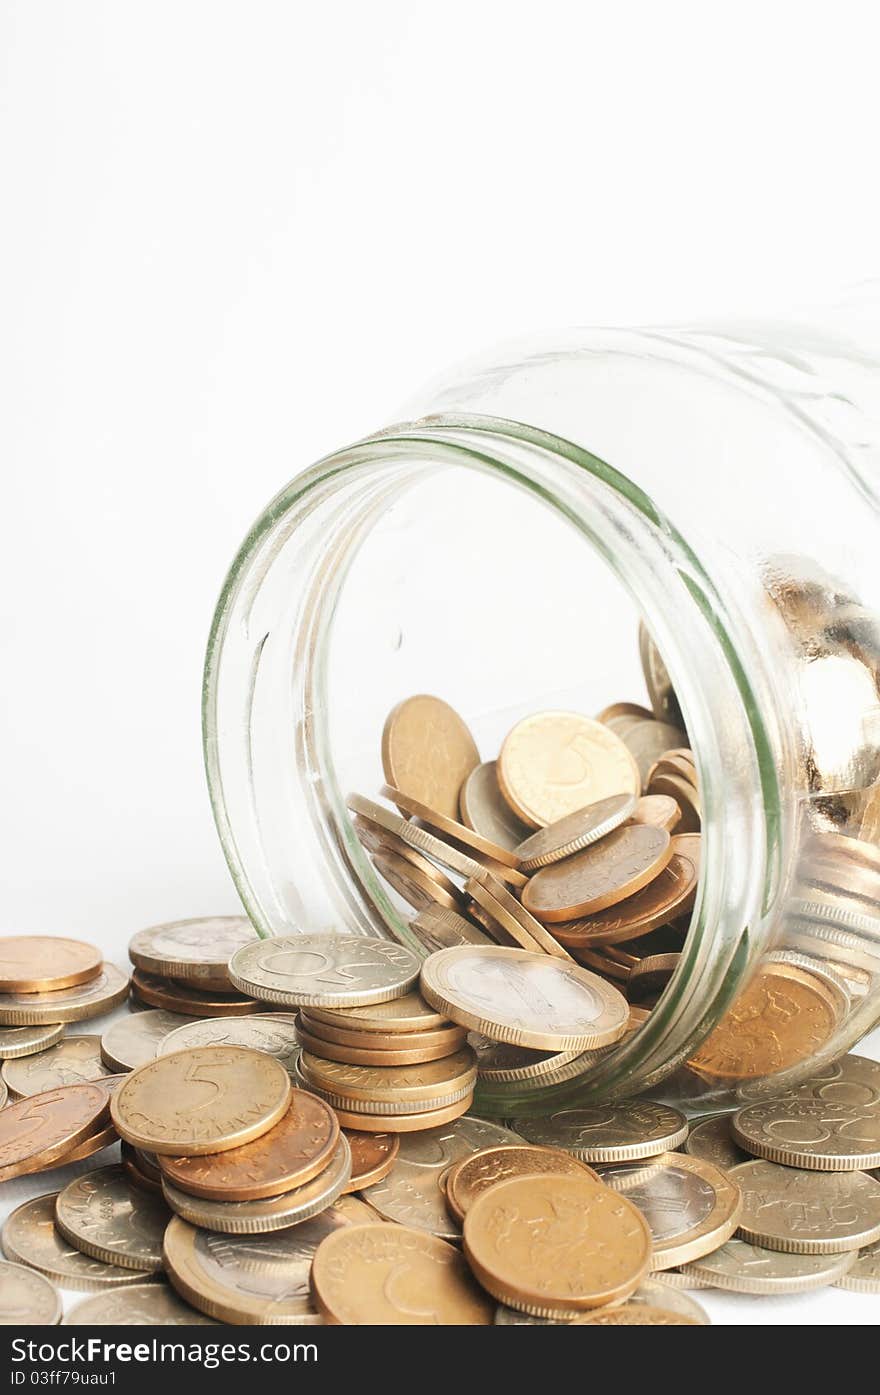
<point>498,549</point>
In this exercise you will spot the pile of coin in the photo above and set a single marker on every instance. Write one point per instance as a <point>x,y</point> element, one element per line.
<point>182,967</point>
<point>47,981</point>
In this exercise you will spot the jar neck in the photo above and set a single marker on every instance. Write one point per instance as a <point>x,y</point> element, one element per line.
<point>277,798</point>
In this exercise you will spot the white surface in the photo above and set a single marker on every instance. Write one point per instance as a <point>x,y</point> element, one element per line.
<point>236,235</point>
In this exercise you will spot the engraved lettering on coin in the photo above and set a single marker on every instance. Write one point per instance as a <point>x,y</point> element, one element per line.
<point>611,1132</point>
<point>101,1214</point>
<point>31,1237</point>
<point>274,1035</point>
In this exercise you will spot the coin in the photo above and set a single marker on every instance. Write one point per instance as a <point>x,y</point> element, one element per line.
<point>449,828</point>
<point>205,1099</point>
<point>647,742</point>
<point>657,1292</point>
<point>660,690</point>
<point>91,999</point>
<point>31,1238</point>
<point>711,1140</point>
<point>437,928</point>
<point>299,1146</point>
<point>188,1000</point>
<point>802,1212</point>
<point>372,1157</point>
<point>669,895</point>
<point>483,808</point>
<point>428,751</point>
<point>863,1275</point>
<point>515,920</point>
<point>853,1081</point>
<point>526,999</point>
<point>783,1017</point>
<point>651,975</point>
<point>191,949</point>
<point>633,710</point>
<point>554,763</point>
<point>27,1041</point>
<point>740,1267</point>
<point>685,796</point>
<point>639,1316</point>
<point>428,1081</point>
<point>472,1176</point>
<point>38,1130</point>
<point>274,1035</point>
<point>264,1214</point>
<point>407,1014</point>
<point>575,831</point>
<point>245,1279</point>
<point>419,888</point>
<point>554,1245</point>
<point>449,1036</point>
<point>72,1061</point>
<point>498,1061</point>
<point>411,1194</point>
<point>45,963</point>
<point>135,1039</point>
<point>140,1168</point>
<point>810,1133</point>
<point>95,1143</point>
<point>325,970</point>
<point>657,811</point>
<point>26,1297</point>
<point>355,1115</point>
<point>101,1214</point>
<point>691,1206</point>
<point>600,876</point>
<point>140,1305</point>
<point>612,1132</point>
<point>370,1056</point>
<point>391,1275</point>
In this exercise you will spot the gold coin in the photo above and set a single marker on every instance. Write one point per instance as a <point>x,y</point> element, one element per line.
<point>137,1170</point>
<point>45,963</point>
<point>390,1275</point>
<point>135,1039</point>
<point>640,1315</point>
<point>95,1143</point>
<point>417,887</point>
<point>657,811</point>
<point>30,1237</point>
<point>600,876</point>
<point>202,1100</point>
<point>414,836</point>
<point>436,928</point>
<point>783,1017</point>
<point>407,1014</point>
<point>555,1245</point>
<point>383,842</point>
<point>69,1063</point>
<point>483,808</point>
<point>38,1130</point>
<point>27,1041</point>
<point>513,917</point>
<point>468,1179</point>
<point>808,1133</point>
<point>188,1000</point>
<point>448,1037</point>
<point>660,690</point>
<point>651,975</point>
<point>525,999</point>
<point>802,1212</point>
<point>375,1085</point>
<point>671,894</point>
<point>575,831</point>
<point>685,796</point>
<point>91,999</point>
<point>373,1155</point>
<point>691,1206</point>
<point>554,763</point>
<point>445,827</point>
<point>618,1131</point>
<point>428,752</point>
<point>633,710</point>
<point>370,1056</point>
<point>648,741</point>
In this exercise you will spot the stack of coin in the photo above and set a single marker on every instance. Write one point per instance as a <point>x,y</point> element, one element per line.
<point>56,1127</point>
<point>182,967</point>
<point>46,981</point>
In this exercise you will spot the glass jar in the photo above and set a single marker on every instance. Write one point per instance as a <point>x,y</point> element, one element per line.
<point>498,548</point>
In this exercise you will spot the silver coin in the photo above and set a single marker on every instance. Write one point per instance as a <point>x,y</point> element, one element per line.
<point>26,1041</point>
<point>103,1215</point>
<point>437,927</point>
<point>324,970</point>
<point>485,810</point>
<point>802,1212</point>
<point>863,1276</point>
<point>27,1297</point>
<point>31,1238</point>
<point>807,1132</point>
<point>66,1004</point>
<point>740,1267</point>
<point>613,1132</point>
<point>411,1194</point>
<point>711,1140</point>
<point>274,1035</point>
<point>853,1081</point>
<point>690,1205</point>
<point>648,741</point>
<point>575,831</point>
<point>71,1061</point>
<point>272,1212</point>
<point>256,1278</point>
<point>141,1305</point>
<point>509,1317</point>
<point>135,1039</point>
<point>499,1061</point>
<point>191,949</point>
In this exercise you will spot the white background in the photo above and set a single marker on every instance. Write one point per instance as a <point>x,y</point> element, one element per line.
<point>234,236</point>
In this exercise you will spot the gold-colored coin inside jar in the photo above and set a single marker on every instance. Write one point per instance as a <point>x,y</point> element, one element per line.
<point>669,895</point>
<point>554,763</point>
<point>428,752</point>
<point>610,871</point>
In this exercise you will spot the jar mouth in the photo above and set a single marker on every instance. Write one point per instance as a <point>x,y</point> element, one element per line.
<point>266,680</point>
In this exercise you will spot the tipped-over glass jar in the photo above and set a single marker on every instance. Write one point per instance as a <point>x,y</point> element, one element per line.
<point>499,548</point>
